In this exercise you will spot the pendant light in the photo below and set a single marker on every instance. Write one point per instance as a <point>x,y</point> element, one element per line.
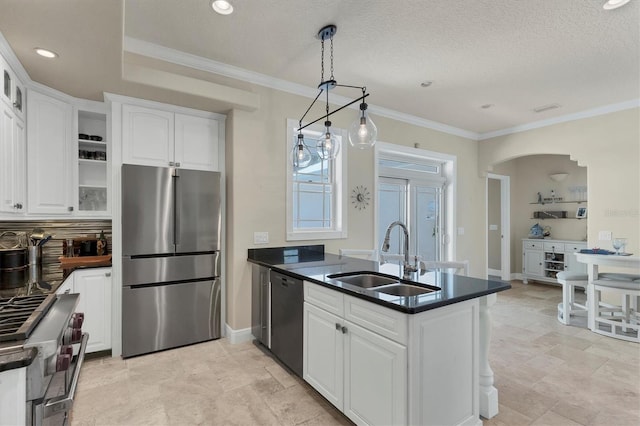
<point>363,131</point>
<point>300,155</point>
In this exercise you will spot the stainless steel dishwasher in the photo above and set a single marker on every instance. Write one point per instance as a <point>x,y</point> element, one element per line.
<point>287,299</point>
<point>261,304</point>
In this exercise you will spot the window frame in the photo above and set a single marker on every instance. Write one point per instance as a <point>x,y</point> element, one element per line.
<point>339,193</point>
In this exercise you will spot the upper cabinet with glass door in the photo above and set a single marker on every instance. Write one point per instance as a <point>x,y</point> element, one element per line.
<point>12,90</point>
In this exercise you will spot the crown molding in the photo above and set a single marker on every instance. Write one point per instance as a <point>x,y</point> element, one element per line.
<point>607,109</point>
<point>7,53</point>
<point>177,57</point>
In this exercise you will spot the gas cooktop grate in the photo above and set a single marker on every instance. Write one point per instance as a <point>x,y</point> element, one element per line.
<point>19,315</point>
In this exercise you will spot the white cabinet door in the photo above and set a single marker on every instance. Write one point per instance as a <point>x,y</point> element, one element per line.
<point>571,263</point>
<point>66,287</point>
<point>197,142</point>
<point>375,385</point>
<point>94,286</point>
<point>323,353</point>
<point>20,166</point>
<point>532,265</point>
<point>12,162</point>
<point>147,136</point>
<point>50,155</point>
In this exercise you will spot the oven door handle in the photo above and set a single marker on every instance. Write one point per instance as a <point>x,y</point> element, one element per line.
<point>64,402</point>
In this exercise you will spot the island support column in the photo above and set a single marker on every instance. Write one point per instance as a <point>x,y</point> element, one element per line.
<point>488,393</point>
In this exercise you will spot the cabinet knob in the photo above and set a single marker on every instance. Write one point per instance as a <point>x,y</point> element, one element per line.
<point>177,164</point>
<point>338,327</point>
<point>107,274</point>
<point>171,163</point>
<point>344,330</point>
<point>70,208</point>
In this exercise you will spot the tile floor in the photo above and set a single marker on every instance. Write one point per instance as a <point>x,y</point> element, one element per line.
<point>546,374</point>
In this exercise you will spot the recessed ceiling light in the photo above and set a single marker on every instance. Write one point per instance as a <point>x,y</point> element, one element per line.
<point>614,4</point>
<point>46,53</point>
<point>486,106</point>
<point>426,83</point>
<point>223,7</point>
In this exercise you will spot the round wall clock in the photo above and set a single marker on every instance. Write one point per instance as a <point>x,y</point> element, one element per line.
<point>360,197</point>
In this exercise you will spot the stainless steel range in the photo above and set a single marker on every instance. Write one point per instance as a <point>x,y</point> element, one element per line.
<point>42,349</point>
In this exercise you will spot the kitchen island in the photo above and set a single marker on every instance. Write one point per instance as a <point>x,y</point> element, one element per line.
<point>385,358</point>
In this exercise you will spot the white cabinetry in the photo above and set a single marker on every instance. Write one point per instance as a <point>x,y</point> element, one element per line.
<point>543,259</point>
<point>570,261</point>
<point>94,287</point>
<point>147,136</point>
<point>380,366</point>
<point>12,162</point>
<point>360,372</point>
<point>50,155</point>
<point>12,90</point>
<point>532,259</point>
<point>160,138</point>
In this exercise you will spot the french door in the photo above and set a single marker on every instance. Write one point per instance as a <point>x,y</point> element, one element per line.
<point>416,203</point>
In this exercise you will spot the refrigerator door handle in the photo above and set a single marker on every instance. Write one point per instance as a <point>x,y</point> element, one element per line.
<point>178,203</point>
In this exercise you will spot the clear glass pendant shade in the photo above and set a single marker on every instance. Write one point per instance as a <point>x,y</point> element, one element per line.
<point>328,145</point>
<point>363,132</point>
<point>300,155</point>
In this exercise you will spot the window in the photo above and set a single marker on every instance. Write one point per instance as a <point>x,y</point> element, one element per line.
<point>315,195</point>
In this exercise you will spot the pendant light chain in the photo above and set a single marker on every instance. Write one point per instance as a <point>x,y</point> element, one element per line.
<point>332,78</point>
<point>322,63</point>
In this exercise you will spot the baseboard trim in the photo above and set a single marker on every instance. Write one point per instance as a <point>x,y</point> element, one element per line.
<point>238,336</point>
<point>516,276</point>
<point>496,272</point>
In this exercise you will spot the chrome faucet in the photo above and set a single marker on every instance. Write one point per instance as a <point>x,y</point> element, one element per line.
<point>407,268</point>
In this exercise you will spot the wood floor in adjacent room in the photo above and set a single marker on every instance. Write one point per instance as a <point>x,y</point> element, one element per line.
<point>546,373</point>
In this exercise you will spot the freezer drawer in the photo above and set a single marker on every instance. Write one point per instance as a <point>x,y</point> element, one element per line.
<point>166,316</point>
<point>151,270</point>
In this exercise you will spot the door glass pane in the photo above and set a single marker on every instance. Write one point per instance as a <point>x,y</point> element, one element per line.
<point>392,203</point>
<point>7,85</point>
<point>426,227</point>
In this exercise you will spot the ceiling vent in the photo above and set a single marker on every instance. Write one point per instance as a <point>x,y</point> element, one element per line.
<point>546,107</point>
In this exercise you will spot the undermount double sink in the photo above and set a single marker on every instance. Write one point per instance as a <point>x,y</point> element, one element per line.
<point>382,283</point>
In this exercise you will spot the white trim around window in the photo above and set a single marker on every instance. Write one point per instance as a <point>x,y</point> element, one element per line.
<point>338,227</point>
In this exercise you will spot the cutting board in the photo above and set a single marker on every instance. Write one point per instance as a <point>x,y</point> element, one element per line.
<point>74,262</point>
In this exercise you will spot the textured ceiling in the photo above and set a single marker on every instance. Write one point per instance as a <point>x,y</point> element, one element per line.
<point>516,55</point>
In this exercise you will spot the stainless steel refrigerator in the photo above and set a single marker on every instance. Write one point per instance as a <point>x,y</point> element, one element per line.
<point>171,225</point>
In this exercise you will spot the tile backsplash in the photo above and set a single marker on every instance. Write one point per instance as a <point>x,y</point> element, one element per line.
<point>60,230</point>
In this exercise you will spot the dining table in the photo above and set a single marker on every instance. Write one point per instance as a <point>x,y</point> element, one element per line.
<point>628,263</point>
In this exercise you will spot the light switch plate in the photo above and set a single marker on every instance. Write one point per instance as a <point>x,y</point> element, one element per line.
<point>261,237</point>
<point>604,235</point>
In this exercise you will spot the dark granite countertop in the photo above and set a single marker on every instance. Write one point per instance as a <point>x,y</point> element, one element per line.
<point>310,263</point>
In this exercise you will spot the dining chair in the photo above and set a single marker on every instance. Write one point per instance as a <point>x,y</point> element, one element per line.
<point>460,267</point>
